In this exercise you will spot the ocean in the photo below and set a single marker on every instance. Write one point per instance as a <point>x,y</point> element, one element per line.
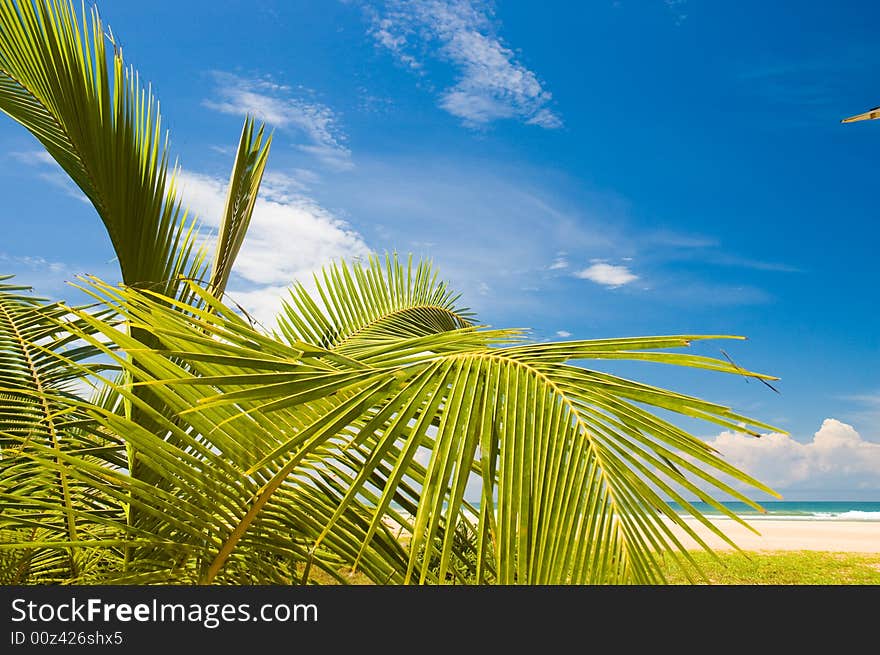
<point>825,510</point>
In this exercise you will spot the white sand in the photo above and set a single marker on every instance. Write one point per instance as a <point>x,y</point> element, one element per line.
<point>832,536</point>
<point>774,534</point>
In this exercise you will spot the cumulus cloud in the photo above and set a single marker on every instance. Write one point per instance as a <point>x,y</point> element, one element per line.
<point>836,459</point>
<point>492,84</point>
<point>275,104</point>
<point>289,238</point>
<point>608,275</point>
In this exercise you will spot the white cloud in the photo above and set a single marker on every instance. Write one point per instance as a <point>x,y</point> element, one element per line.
<point>836,460</point>
<point>51,172</point>
<point>274,104</point>
<point>546,119</point>
<point>34,158</point>
<point>382,29</point>
<point>491,84</point>
<point>289,238</point>
<point>559,263</point>
<point>607,274</point>
<point>34,263</point>
<point>563,333</point>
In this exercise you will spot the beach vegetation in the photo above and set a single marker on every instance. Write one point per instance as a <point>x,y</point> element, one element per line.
<point>158,434</point>
<point>784,567</point>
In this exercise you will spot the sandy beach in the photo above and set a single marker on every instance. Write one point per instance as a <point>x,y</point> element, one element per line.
<point>832,536</point>
<point>778,534</point>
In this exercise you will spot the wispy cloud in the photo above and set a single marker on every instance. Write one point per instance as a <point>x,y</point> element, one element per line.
<point>689,291</point>
<point>670,239</point>
<point>276,105</point>
<point>297,180</point>
<point>559,264</point>
<point>492,84</point>
<point>51,172</point>
<point>523,237</point>
<point>678,9</point>
<point>391,34</point>
<point>32,263</point>
<point>707,250</point>
<point>34,158</point>
<point>49,277</point>
<point>290,237</point>
<point>485,229</point>
<point>608,275</point>
<point>563,333</point>
<point>754,264</point>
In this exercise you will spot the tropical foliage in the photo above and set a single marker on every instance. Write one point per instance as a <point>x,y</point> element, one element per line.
<point>378,427</point>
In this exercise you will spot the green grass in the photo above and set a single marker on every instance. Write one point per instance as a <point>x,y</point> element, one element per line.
<point>784,568</point>
<point>767,568</point>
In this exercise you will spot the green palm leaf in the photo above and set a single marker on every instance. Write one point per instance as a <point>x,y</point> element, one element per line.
<point>43,368</point>
<point>96,120</point>
<point>197,466</point>
<point>572,469</point>
<point>100,124</point>
<point>244,185</point>
<point>366,306</point>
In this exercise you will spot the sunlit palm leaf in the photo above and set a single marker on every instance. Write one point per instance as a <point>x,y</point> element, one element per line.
<point>99,123</point>
<point>241,196</point>
<point>871,114</point>
<point>366,306</point>
<point>201,465</point>
<point>43,368</point>
<point>501,403</point>
<point>573,471</point>
<point>95,119</point>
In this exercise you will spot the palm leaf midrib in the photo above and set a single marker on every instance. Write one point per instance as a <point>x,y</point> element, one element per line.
<point>34,375</point>
<point>50,423</point>
<point>375,322</point>
<point>583,428</point>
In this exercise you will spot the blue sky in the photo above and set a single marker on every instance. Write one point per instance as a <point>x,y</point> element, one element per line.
<point>590,169</point>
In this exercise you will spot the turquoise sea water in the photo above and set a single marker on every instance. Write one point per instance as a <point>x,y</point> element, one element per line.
<point>800,510</point>
<point>789,510</point>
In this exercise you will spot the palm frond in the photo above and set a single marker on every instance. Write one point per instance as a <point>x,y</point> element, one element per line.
<point>192,502</point>
<point>43,368</point>
<point>99,123</point>
<point>365,306</point>
<point>244,185</point>
<point>572,469</point>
